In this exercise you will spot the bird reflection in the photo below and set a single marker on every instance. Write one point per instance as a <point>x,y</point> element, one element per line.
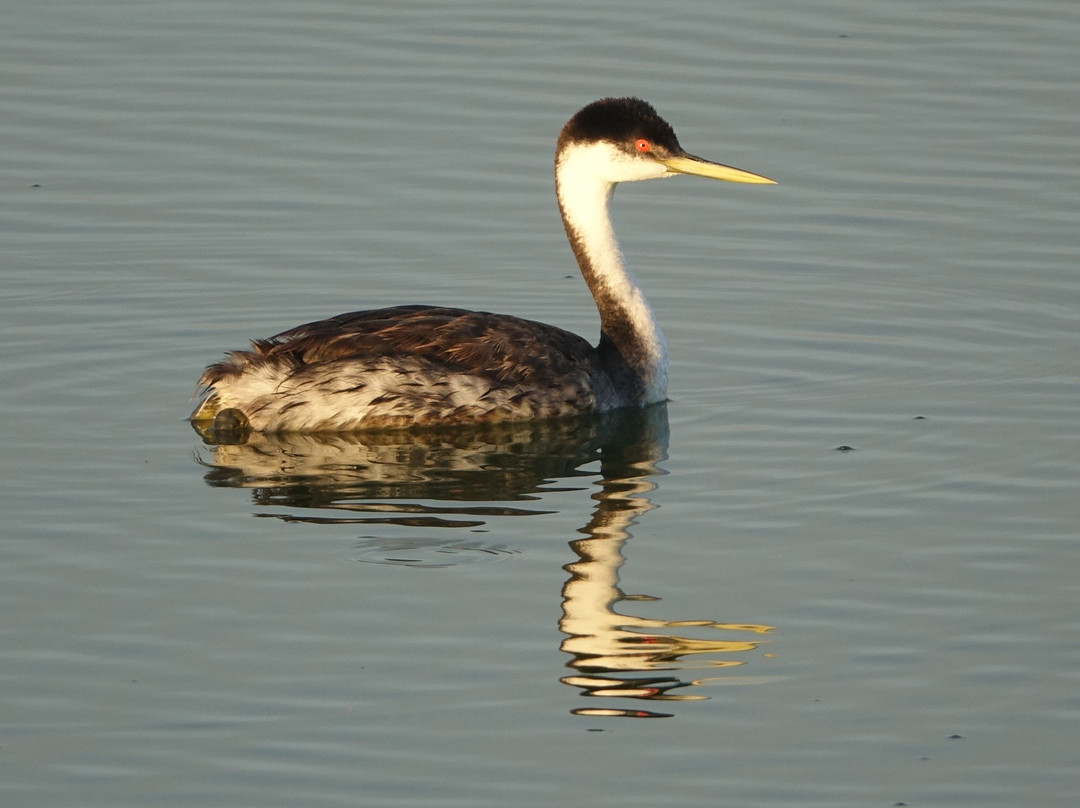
<point>464,477</point>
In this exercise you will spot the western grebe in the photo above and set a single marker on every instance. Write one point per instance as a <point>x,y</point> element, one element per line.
<point>425,365</point>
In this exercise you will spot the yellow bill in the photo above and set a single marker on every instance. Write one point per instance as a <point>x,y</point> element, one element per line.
<point>688,164</point>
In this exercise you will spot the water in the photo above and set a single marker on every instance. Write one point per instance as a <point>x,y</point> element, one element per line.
<point>711,606</point>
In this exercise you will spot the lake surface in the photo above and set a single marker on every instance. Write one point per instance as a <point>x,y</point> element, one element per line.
<point>839,568</point>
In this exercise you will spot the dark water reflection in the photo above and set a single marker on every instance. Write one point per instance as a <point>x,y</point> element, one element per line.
<point>466,477</point>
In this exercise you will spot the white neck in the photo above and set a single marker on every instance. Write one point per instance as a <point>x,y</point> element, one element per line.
<point>585,177</point>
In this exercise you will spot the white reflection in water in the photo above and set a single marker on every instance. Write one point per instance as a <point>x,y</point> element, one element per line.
<point>408,478</point>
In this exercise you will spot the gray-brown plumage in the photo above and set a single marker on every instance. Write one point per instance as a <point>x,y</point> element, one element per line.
<point>424,365</point>
<point>416,365</point>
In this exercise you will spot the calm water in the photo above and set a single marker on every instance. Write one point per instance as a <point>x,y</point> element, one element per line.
<point>705,605</point>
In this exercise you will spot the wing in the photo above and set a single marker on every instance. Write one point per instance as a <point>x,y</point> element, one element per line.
<point>496,346</point>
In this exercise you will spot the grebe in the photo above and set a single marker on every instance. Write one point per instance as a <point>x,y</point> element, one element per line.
<point>426,365</point>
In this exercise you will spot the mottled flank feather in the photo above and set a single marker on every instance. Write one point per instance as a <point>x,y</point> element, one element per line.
<point>407,366</point>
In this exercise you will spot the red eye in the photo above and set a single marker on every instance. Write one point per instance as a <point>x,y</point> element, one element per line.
<point>642,145</point>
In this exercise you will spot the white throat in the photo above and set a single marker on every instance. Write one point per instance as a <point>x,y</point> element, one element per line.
<point>585,177</point>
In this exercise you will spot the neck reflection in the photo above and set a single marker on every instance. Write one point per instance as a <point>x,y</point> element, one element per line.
<point>616,654</point>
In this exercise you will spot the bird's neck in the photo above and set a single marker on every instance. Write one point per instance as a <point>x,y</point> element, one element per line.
<point>631,344</point>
